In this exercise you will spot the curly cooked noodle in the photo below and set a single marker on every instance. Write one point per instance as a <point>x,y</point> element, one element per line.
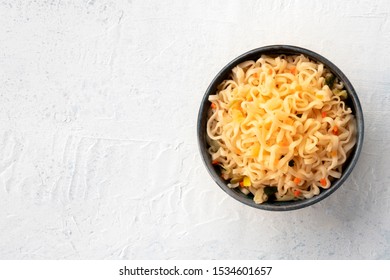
<point>279,123</point>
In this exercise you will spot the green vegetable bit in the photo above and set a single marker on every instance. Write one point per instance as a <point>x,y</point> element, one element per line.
<point>329,80</point>
<point>270,190</point>
<point>342,93</point>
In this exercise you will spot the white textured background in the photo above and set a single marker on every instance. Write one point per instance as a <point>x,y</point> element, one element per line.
<point>98,109</point>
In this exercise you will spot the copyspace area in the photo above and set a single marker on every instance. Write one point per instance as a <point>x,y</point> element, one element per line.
<point>98,111</point>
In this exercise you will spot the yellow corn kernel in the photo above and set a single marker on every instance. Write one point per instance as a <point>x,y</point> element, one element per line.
<point>320,96</point>
<point>255,151</point>
<point>247,182</point>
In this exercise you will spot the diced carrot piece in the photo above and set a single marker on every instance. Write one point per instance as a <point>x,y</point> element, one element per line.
<point>323,114</point>
<point>284,143</point>
<point>293,70</point>
<point>215,162</point>
<point>213,106</point>
<point>323,182</point>
<point>297,180</point>
<point>335,130</point>
<point>289,121</point>
<point>297,193</point>
<point>268,125</point>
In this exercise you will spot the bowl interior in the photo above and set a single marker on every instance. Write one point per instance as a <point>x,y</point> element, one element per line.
<point>275,50</point>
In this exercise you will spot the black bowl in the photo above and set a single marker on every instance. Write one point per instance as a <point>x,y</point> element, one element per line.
<point>352,102</point>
